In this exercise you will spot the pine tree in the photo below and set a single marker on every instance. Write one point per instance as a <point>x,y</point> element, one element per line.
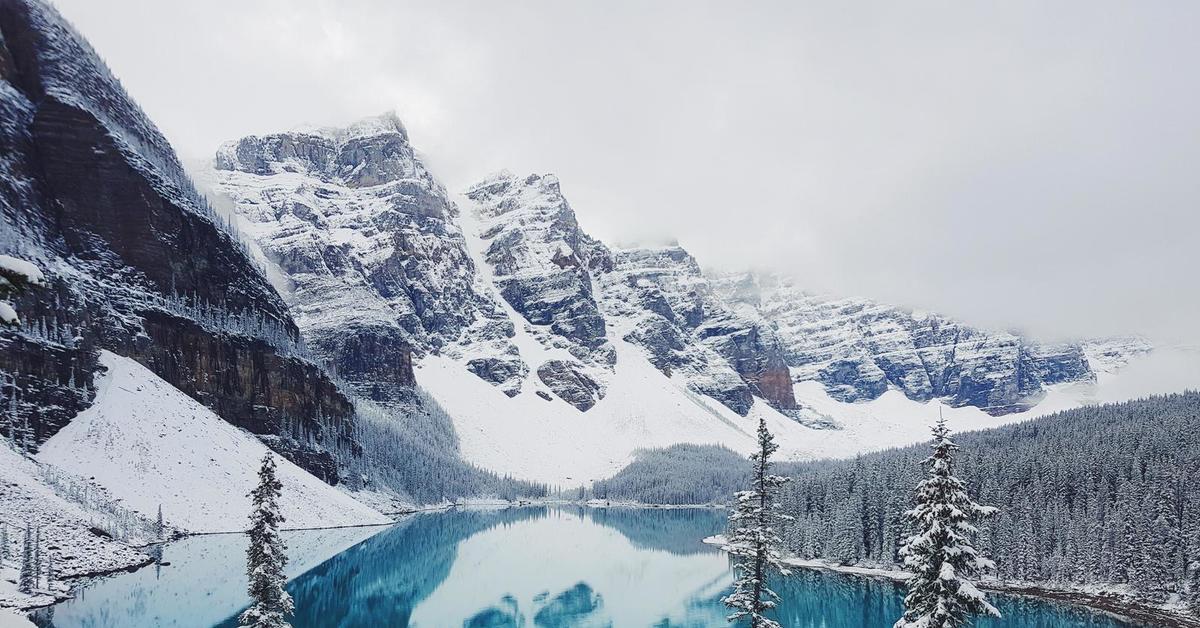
<point>27,581</point>
<point>754,541</point>
<point>940,555</point>
<point>1194,590</point>
<point>266,557</point>
<point>159,528</point>
<point>3,543</point>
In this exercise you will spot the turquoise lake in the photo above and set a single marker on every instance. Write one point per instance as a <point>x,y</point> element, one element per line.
<point>531,567</point>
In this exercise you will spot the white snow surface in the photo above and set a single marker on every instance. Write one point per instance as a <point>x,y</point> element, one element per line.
<point>549,441</point>
<point>8,315</point>
<point>26,269</point>
<point>27,499</point>
<point>150,444</point>
<point>11,619</point>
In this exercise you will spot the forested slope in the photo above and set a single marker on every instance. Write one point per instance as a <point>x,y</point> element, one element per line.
<point>1100,495</point>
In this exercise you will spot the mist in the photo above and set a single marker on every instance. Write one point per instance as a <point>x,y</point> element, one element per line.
<point>1017,165</point>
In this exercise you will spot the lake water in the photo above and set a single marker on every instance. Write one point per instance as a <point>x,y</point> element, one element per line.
<point>533,567</point>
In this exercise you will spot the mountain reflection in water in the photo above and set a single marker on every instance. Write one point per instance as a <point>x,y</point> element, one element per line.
<point>550,567</point>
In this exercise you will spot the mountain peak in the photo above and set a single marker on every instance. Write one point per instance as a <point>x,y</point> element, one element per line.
<point>386,123</point>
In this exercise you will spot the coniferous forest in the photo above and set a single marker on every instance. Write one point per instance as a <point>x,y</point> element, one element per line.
<point>1102,495</point>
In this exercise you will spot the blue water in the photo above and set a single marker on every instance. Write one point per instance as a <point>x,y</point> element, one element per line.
<point>533,567</point>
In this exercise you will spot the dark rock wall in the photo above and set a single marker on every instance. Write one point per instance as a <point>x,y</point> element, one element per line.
<point>92,193</point>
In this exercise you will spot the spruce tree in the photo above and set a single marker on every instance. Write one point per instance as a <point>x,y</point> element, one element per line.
<point>940,554</point>
<point>754,540</point>
<point>28,580</point>
<point>266,557</point>
<point>159,528</point>
<point>3,543</point>
<point>1194,590</point>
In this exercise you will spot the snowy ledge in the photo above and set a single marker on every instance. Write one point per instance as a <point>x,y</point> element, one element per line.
<point>1113,603</point>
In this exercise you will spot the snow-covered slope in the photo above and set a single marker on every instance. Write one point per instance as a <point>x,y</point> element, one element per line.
<point>558,356</point>
<point>149,444</point>
<point>28,497</point>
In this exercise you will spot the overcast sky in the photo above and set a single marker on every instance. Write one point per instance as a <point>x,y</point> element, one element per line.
<point>1018,164</point>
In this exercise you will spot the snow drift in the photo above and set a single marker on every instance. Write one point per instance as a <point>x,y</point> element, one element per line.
<point>150,445</point>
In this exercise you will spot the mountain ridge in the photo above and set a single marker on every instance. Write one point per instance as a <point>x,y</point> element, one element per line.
<point>551,303</point>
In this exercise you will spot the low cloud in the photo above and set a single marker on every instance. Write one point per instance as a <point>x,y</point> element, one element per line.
<point>1017,164</point>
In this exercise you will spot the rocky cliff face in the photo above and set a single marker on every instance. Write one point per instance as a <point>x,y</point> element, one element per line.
<point>858,349</point>
<point>368,248</point>
<point>542,264</point>
<point>671,311</point>
<point>92,193</point>
<point>378,261</point>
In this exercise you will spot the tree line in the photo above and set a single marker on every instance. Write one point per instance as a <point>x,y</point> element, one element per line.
<point>1102,495</point>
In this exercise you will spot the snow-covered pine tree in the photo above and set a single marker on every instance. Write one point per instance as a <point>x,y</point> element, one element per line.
<point>159,529</point>
<point>754,540</point>
<point>27,580</point>
<point>49,571</point>
<point>1193,597</point>
<point>3,543</point>
<point>37,554</point>
<point>940,554</point>
<point>265,558</point>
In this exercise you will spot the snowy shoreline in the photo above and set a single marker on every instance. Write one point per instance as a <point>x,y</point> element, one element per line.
<point>1124,607</point>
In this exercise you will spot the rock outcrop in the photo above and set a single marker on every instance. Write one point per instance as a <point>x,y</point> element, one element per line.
<point>369,247</point>
<point>542,264</point>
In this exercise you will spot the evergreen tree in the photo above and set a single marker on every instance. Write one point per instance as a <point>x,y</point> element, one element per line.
<point>265,558</point>
<point>1194,590</point>
<point>3,543</point>
<point>940,555</point>
<point>27,580</point>
<point>754,540</point>
<point>159,528</point>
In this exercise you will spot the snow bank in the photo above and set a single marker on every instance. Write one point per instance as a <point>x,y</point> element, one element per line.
<point>22,268</point>
<point>11,619</point>
<point>149,444</point>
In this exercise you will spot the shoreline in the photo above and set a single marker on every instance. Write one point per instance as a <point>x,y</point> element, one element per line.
<point>1120,606</point>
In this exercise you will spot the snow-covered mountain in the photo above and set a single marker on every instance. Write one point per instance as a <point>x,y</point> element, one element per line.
<point>595,351</point>
<point>135,260</point>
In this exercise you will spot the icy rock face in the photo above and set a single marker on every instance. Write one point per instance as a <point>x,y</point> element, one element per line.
<point>92,192</point>
<point>669,308</point>
<point>859,349</point>
<point>542,264</point>
<point>369,246</point>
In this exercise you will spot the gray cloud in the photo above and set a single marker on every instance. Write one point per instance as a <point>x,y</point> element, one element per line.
<point>1019,164</point>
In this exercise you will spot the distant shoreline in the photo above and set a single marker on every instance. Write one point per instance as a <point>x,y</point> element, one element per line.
<point>1119,606</point>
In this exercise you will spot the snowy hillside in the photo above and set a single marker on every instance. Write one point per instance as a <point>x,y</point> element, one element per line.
<point>558,357</point>
<point>150,445</point>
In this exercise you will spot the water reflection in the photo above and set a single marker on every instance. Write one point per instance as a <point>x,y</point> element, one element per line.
<point>527,567</point>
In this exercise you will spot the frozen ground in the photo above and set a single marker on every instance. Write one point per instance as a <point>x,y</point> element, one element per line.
<point>74,529</point>
<point>149,444</point>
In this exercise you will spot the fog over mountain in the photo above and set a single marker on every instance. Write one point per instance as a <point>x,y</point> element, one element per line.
<point>1015,165</point>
